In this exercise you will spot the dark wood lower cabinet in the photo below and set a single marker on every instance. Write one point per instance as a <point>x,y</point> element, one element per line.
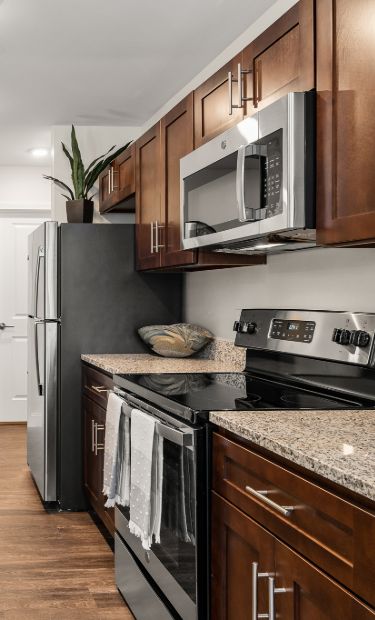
<point>295,587</point>
<point>94,430</point>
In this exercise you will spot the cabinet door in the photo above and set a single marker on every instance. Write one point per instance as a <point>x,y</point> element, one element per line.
<point>148,212</point>
<point>212,104</point>
<point>345,121</point>
<point>281,59</point>
<point>125,173</point>
<point>237,543</point>
<point>176,141</point>
<point>305,593</point>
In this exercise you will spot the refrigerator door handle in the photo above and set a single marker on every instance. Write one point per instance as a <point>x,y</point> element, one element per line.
<point>37,274</point>
<point>36,350</point>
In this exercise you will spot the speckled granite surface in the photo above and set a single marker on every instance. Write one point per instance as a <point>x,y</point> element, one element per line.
<point>220,356</point>
<point>339,445</point>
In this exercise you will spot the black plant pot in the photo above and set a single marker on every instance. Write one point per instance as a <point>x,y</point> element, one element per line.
<point>80,211</point>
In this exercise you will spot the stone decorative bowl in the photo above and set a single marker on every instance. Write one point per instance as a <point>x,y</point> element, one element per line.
<point>178,340</point>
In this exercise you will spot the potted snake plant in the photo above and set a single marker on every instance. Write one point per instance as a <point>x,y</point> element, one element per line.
<point>79,205</point>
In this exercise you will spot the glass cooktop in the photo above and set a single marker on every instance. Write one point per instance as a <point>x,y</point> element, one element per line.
<point>228,391</point>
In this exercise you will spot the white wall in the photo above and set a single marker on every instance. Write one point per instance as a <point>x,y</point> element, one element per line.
<point>23,187</point>
<point>326,279</point>
<point>93,141</point>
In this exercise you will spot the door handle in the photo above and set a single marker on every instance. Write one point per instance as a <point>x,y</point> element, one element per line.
<point>98,446</point>
<point>3,326</point>
<point>254,591</point>
<point>37,273</point>
<point>158,246</point>
<point>36,349</point>
<point>271,597</point>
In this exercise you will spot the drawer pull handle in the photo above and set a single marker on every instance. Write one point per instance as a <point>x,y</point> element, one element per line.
<point>286,511</point>
<point>99,388</point>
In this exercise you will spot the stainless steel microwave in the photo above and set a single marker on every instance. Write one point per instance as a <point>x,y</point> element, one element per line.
<point>252,189</point>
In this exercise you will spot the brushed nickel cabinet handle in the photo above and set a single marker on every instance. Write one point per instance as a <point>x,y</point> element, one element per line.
<point>271,597</point>
<point>230,95</point>
<point>286,511</point>
<point>109,181</point>
<point>92,435</point>
<point>99,388</point>
<point>98,446</point>
<point>152,237</point>
<point>158,246</point>
<point>254,591</point>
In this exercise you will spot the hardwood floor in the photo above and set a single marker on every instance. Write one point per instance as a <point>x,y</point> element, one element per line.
<point>52,566</point>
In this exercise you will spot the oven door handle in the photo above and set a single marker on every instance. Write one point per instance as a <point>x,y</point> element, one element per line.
<point>165,430</point>
<point>178,437</point>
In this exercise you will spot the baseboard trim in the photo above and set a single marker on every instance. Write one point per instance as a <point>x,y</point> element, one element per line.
<point>10,423</point>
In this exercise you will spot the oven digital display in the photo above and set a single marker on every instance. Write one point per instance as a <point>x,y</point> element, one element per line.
<point>295,331</point>
<point>292,327</point>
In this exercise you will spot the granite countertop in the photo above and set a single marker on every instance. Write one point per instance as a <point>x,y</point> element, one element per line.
<point>219,356</point>
<point>338,445</point>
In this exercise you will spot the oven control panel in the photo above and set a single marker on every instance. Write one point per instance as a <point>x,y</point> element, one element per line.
<point>338,336</point>
<point>296,331</point>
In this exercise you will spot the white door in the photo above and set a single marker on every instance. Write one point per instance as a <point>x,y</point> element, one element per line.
<point>14,230</point>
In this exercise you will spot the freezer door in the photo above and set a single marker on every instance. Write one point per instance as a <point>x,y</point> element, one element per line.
<point>42,405</point>
<point>43,284</point>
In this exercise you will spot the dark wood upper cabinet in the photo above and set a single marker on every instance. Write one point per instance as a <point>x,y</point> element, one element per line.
<point>117,184</point>
<point>177,140</point>
<point>149,222</point>
<point>345,121</point>
<point>281,59</point>
<point>125,173</point>
<point>212,111</point>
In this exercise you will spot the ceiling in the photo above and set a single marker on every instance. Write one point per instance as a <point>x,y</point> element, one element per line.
<point>105,62</point>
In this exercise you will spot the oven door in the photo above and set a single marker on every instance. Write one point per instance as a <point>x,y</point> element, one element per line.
<point>174,564</point>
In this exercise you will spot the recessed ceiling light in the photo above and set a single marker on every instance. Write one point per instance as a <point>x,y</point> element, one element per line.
<point>39,152</point>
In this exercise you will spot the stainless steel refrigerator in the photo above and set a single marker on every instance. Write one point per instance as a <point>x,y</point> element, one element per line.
<point>84,296</point>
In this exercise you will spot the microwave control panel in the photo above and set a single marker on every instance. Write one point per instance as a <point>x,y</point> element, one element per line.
<point>272,173</point>
<point>297,331</point>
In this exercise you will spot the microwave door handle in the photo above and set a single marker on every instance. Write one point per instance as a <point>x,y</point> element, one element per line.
<point>240,183</point>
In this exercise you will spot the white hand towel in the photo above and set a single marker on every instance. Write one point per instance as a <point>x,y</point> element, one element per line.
<point>110,448</point>
<point>142,515</point>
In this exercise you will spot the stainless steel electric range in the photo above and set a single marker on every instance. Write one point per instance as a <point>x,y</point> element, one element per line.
<point>296,359</point>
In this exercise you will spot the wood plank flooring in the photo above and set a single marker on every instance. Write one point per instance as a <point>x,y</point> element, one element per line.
<point>52,566</point>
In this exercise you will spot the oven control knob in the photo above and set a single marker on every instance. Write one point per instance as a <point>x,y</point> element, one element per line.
<point>341,336</point>
<point>251,328</point>
<point>236,326</point>
<point>336,334</point>
<point>359,338</point>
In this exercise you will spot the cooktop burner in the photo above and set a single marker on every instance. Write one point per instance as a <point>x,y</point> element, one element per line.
<point>228,391</point>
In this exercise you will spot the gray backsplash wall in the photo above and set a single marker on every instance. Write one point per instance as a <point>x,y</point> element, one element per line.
<point>327,279</point>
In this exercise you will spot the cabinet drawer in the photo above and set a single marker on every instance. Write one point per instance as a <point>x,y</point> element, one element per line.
<point>334,533</point>
<point>96,385</point>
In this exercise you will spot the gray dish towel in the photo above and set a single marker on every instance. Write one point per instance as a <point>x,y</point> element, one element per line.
<point>116,478</point>
<point>146,478</point>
